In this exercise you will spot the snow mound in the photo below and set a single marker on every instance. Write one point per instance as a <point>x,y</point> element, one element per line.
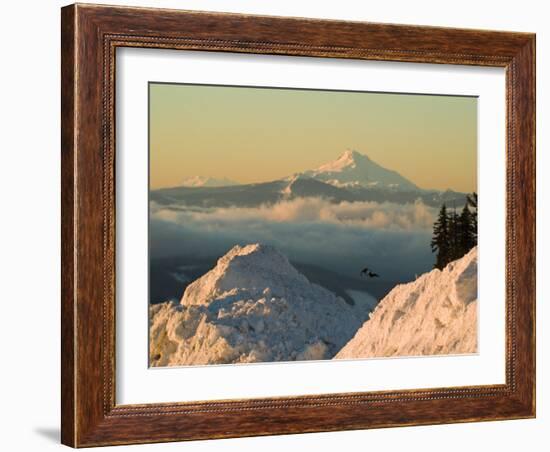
<point>253,306</point>
<point>436,314</point>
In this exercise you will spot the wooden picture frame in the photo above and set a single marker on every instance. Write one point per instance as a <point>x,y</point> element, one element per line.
<point>90,35</point>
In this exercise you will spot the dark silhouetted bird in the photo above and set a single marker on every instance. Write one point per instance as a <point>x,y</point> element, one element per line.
<point>365,271</point>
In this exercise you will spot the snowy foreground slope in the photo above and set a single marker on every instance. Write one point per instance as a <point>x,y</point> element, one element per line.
<point>254,306</point>
<point>436,314</point>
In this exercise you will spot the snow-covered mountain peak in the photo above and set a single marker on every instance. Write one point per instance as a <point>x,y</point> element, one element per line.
<point>353,169</point>
<point>349,159</point>
<point>206,181</point>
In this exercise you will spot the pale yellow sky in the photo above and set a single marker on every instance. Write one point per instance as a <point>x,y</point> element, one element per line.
<point>261,134</point>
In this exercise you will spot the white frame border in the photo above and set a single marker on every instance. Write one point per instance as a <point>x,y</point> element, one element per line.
<point>136,383</point>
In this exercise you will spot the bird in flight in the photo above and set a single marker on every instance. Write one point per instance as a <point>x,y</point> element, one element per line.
<point>367,272</point>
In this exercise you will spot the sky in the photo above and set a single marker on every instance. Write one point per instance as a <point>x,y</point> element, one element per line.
<point>262,134</point>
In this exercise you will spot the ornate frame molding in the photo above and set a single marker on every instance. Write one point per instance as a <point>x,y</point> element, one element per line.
<point>90,37</point>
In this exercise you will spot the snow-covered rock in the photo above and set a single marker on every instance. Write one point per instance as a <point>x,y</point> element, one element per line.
<point>353,169</point>
<point>253,306</point>
<point>436,314</point>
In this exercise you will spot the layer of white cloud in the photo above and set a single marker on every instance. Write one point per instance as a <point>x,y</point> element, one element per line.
<point>366,214</point>
<point>341,237</point>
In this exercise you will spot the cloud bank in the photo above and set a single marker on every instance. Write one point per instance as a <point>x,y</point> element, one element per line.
<point>394,238</point>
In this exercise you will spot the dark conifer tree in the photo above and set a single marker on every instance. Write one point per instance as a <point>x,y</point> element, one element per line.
<point>440,240</point>
<point>467,231</point>
<point>471,201</point>
<point>454,236</point>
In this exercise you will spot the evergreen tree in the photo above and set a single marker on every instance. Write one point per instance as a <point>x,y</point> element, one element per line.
<point>467,230</point>
<point>453,221</point>
<point>440,240</point>
<point>454,235</point>
<point>471,201</point>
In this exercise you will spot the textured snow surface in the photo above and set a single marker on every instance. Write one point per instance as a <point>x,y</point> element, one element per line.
<point>436,314</point>
<point>253,306</point>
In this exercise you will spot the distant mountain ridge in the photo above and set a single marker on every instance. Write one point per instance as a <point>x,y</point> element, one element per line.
<point>205,181</point>
<point>351,177</point>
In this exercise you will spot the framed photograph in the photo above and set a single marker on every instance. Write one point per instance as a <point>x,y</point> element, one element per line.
<point>282,225</point>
